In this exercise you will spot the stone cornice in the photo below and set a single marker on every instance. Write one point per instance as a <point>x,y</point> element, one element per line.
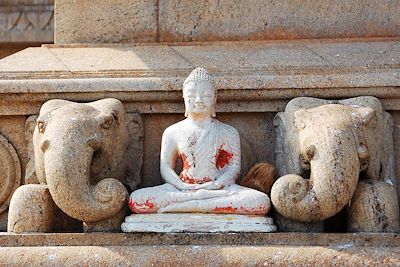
<point>250,76</point>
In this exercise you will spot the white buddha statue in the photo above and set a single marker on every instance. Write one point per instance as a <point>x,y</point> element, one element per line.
<point>210,152</point>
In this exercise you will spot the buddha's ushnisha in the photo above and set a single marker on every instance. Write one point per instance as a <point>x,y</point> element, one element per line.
<point>210,153</point>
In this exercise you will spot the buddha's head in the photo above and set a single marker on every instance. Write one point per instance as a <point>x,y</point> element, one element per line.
<point>199,94</point>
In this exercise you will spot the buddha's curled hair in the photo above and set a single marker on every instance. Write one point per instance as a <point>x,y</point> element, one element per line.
<point>199,75</point>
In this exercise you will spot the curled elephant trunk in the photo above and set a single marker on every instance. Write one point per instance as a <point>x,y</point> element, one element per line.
<point>68,178</point>
<point>334,161</point>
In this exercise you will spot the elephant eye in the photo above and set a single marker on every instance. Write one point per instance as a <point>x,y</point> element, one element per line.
<point>41,126</point>
<point>107,122</point>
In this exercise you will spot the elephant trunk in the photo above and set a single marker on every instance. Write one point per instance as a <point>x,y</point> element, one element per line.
<point>334,174</point>
<point>68,178</point>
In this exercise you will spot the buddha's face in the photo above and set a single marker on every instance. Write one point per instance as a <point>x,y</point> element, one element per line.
<point>199,99</point>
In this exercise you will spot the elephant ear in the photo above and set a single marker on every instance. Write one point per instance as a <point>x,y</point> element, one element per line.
<point>300,119</point>
<point>286,146</point>
<point>135,150</point>
<point>368,116</point>
<point>30,173</point>
<point>110,106</point>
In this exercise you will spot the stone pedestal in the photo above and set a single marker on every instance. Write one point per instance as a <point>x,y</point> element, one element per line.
<point>196,222</point>
<point>200,249</point>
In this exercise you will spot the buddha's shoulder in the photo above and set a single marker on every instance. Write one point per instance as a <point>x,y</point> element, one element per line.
<point>227,129</point>
<point>175,128</point>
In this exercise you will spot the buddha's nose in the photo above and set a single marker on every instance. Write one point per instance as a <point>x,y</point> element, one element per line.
<point>198,99</point>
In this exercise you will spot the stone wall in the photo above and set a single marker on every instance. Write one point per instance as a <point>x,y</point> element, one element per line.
<point>119,21</point>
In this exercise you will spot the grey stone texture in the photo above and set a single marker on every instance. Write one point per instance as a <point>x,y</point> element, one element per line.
<point>175,21</point>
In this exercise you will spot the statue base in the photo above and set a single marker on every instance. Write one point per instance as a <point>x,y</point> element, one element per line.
<point>196,222</point>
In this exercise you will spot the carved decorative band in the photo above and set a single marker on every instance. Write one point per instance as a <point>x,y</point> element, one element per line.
<point>27,24</point>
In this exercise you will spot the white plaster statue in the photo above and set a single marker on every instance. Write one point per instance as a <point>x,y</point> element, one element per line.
<point>210,152</point>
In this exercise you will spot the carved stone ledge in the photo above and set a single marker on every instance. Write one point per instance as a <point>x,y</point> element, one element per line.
<point>178,249</point>
<point>256,76</point>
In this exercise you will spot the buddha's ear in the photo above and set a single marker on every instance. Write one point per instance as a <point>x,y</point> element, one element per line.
<point>214,114</point>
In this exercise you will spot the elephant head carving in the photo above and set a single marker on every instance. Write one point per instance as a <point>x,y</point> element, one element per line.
<point>322,149</point>
<point>81,154</point>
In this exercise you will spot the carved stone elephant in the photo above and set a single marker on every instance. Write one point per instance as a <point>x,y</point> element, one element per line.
<point>81,154</point>
<point>333,144</point>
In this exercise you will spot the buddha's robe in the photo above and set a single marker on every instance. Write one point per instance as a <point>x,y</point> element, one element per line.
<point>209,153</point>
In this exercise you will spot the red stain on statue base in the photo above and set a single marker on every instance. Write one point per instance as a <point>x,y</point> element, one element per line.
<point>223,157</point>
<point>225,210</point>
<point>146,207</point>
<point>262,210</point>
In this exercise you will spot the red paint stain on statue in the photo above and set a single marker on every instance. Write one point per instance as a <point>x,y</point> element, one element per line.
<point>187,179</point>
<point>185,161</point>
<point>223,157</point>
<point>204,180</point>
<point>190,180</point>
<point>261,210</point>
<point>184,177</point>
<point>146,207</point>
<point>225,210</point>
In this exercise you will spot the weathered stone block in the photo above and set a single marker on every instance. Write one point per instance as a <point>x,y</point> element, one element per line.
<point>171,20</point>
<point>105,21</point>
<point>374,208</point>
<point>31,210</point>
<point>267,20</point>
